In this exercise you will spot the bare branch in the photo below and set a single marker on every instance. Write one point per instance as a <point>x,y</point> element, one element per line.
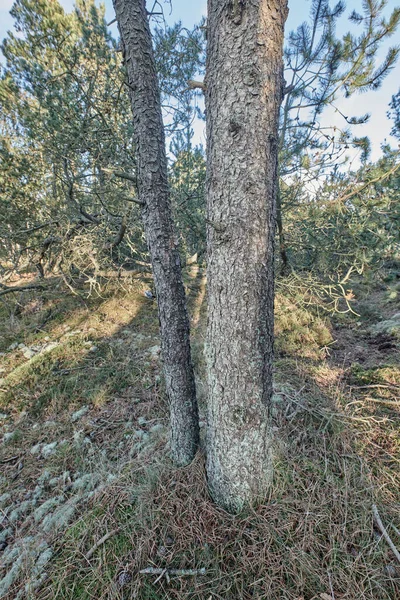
<point>178,572</point>
<point>385,534</point>
<point>9,290</point>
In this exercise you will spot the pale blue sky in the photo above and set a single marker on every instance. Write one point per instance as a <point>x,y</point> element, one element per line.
<point>190,12</point>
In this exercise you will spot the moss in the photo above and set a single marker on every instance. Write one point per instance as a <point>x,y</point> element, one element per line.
<point>377,375</point>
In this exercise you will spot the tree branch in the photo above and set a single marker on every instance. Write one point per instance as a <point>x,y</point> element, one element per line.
<point>32,286</point>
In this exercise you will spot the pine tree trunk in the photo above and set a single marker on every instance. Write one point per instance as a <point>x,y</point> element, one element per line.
<point>153,191</point>
<point>244,84</point>
<point>281,234</point>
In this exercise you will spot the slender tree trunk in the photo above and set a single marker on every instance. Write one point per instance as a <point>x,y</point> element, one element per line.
<point>244,84</point>
<point>153,190</point>
<point>281,233</point>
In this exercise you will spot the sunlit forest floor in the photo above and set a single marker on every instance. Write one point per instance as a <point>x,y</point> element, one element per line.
<point>88,497</point>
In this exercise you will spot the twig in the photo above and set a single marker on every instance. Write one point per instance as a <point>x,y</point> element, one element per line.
<point>330,585</point>
<point>178,572</point>
<point>9,290</point>
<point>161,575</point>
<point>101,541</point>
<point>375,385</point>
<point>381,401</point>
<point>384,532</point>
<point>7,460</point>
<point>396,530</point>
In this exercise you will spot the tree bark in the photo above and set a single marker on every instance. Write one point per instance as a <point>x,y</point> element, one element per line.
<point>281,234</point>
<point>153,191</point>
<point>244,83</point>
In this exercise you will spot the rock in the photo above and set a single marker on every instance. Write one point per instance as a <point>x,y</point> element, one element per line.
<point>49,347</point>
<point>86,483</point>
<point>154,351</point>
<point>28,353</point>
<point>47,507</point>
<point>9,437</point>
<point>158,428</point>
<point>12,346</point>
<point>37,492</point>
<point>35,449</point>
<point>142,421</point>
<point>148,294</point>
<point>21,510</point>
<point>138,434</point>
<point>49,449</point>
<point>93,349</point>
<point>4,499</point>
<point>44,477</point>
<point>79,414</point>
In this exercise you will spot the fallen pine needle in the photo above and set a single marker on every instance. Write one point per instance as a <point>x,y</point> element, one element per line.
<point>384,532</point>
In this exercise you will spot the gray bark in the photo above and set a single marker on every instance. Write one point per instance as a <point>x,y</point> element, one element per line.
<point>153,191</point>
<point>244,84</point>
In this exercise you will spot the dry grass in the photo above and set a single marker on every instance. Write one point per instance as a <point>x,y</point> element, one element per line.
<point>336,453</point>
<point>315,531</point>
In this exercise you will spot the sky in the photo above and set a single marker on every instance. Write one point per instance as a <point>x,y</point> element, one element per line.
<point>376,103</point>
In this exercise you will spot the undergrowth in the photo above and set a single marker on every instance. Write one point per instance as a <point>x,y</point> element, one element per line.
<point>337,450</point>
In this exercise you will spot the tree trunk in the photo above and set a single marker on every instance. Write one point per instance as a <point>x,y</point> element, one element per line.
<point>281,234</point>
<point>244,85</point>
<point>153,191</point>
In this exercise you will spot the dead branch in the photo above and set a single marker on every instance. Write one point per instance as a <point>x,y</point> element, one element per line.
<point>22,288</point>
<point>120,235</point>
<point>385,534</point>
<point>11,459</point>
<point>196,85</point>
<point>382,401</point>
<point>176,572</point>
<point>101,541</point>
<point>376,385</point>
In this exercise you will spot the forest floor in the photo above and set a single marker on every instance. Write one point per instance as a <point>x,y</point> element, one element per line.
<point>88,497</point>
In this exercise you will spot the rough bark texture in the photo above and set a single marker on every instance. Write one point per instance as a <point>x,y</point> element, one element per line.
<point>244,85</point>
<point>153,190</point>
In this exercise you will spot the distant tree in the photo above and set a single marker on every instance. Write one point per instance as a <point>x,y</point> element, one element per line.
<point>66,142</point>
<point>65,129</point>
<point>350,225</point>
<point>321,67</point>
<point>395,114</point>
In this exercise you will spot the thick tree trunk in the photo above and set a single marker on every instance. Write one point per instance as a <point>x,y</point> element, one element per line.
<point>244,84</point>
<point>153,190</point>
